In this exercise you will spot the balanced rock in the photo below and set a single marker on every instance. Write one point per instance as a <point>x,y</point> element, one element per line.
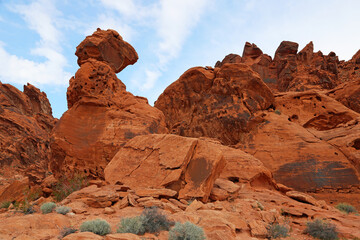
<point>102,115</point>
<point>203,101</point>
<point>107,46</point>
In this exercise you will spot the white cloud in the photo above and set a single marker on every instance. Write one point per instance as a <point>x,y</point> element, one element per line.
<point>151,78</point>
<point>109,21</point>
<point>171,21</point>
<point>175,22</point>
<point>41,17</point>
<point>132,10</point>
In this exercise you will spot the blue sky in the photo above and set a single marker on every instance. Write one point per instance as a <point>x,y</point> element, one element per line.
<point>38,38</point>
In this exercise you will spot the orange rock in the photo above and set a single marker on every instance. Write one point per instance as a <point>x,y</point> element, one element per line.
<point>25,124</point>
<point>94,197</point>
<point>16,191</point>
<point>122,236</point>
<point>298,152</point>
<point>83,236</point>
<point>202,101</point>
<point>33,226</point>
<point>102,115</point>
<point>187,165</point>
<point>302,197</point>
<point>109,47</point>
<point>218,194</point>
<point>163,192</point>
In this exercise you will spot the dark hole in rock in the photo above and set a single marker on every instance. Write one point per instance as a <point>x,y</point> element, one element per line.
<point>233,179</point>
<point>356,144</point>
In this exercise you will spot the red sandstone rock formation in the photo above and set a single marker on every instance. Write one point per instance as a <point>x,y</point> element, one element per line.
<point>102,115</point>
<point>215,102</point>
<point>25,124</point>
<point>290,70</point>
<point>303,142</point>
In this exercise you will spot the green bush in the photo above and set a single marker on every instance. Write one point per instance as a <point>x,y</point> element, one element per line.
<point>98,226</point>
<point>133,225</point>
<point>154,221</point>
<point>321,230</point>
<point>62,210</point>
<point>47,207</point>
<point>5,204</point>
<point>67,185</point>
<point>186,231</point>
<point>66,231</point>
<point>276,230</point>
<point>346,208</point>
<point>151,221</point>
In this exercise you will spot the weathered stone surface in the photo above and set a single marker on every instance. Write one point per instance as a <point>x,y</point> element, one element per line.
<point>187,165</point>
<point>94,196</point>
<point>83,236</point>
<point>33,226</point>
<point>302,197</point>
<point>122,236</point>
<point>150,192</point>
<point>202,101</point>
<point>301,151</point>
<point>102,115</point>
<point>25,123</point>
<point>15,191</point>
<point>107,46</point>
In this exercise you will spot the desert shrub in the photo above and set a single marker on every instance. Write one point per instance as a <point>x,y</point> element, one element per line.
<point>98,226</point>
<point>321,230</point>
<point>186,231</point>
<point>62,210</point>
<point>154,221</point>
<point>27,209</point>
<point>66,231</point>
<point>346,208</point>
<point>5,204</point>
<point>133,225</point>
<point>47,207</point>
<point>276,230</point>
<point>67,185</point>
<point>151,221</point>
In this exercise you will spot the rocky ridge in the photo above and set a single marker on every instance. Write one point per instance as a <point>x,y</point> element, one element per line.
<point>244,146</point>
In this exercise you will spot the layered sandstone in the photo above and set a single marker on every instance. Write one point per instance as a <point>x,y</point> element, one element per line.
<point>25,124</point>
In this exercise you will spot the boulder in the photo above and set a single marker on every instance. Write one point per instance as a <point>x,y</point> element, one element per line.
<point>188,166</point>
<point>202,101</point>
<point>93,196</point>
<point>102,115</point>
<point>109,47</point>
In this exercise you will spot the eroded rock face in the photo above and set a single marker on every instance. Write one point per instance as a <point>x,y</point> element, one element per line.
<point>291,70</point>
<point>102,115</point>
<point>202,101</point>
<point>304,142</point>
<point>25,124</point>
<point>186,165</point>
<point>189,166</point>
